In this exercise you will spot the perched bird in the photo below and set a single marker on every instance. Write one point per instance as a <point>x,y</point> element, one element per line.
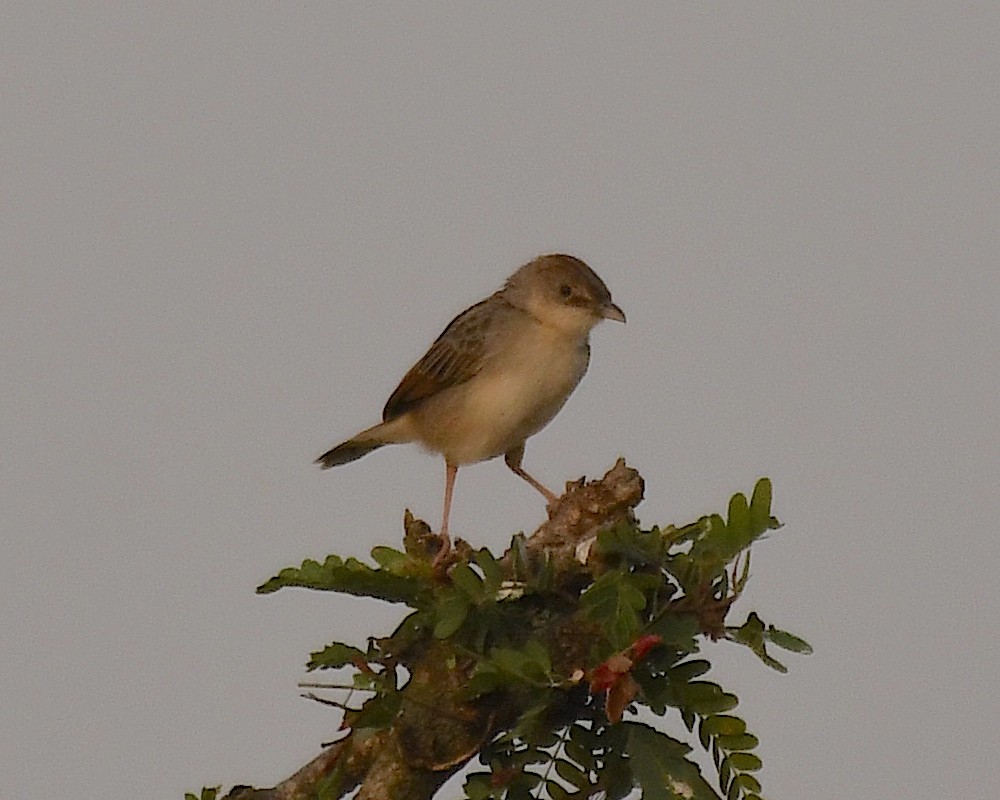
<point>498,374</point>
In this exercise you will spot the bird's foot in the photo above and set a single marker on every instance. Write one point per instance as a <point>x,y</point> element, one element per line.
<point>441,558</point>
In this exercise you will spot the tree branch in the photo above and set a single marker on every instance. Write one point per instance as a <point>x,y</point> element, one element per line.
<point>439,729</point>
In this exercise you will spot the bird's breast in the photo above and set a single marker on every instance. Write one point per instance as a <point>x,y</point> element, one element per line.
<point>513,397</point>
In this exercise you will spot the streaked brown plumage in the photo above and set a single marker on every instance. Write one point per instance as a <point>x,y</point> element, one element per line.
<point>498,373</point>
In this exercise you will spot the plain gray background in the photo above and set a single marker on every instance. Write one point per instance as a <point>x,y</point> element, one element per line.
<point>228,229</point>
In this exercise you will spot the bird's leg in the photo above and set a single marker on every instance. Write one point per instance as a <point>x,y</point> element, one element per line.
<point>450,471</point>
<point>513,460</point>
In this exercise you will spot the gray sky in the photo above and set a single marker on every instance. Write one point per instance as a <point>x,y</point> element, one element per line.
<point>228,230</point>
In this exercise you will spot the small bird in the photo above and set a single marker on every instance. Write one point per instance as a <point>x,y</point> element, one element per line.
<point>498,374</point>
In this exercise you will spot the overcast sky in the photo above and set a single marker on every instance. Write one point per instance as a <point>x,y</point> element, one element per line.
<point>228,229</point>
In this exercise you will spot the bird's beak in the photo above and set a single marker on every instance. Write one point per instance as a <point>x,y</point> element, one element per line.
<point>611,311</point>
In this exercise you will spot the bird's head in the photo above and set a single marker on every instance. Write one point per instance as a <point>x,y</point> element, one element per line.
<point>563,292</point>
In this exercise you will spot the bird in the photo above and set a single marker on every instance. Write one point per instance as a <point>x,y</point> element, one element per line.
<point>497,374</point>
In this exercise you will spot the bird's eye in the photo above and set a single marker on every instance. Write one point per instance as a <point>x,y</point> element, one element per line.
<point>565,290</point>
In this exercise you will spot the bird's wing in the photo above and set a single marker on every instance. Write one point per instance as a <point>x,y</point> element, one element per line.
<point>458,354</point>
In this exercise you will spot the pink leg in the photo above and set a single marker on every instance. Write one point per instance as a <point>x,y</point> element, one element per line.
<point>513,460</point>
<point>450,471</point>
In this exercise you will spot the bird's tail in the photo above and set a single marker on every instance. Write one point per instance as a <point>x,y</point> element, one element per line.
<point>361,445</point>
<point>350,450</point>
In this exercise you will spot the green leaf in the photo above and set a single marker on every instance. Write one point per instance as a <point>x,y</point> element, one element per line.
<point>688,670</point>
<point>468,582</point>
<point>788,641</point>
<point>760,505</point>
<point>631,544</point>
<point>737,742</point>
<point>614,603</point>
<point>723,725</point>
<point>660,768</point>
<point>506,666</point>
<point>587,739</point>
<point>711,548</point>
<point>537,659</point>
<point>451,613</point>
<point>744,762</point>
<point>526,757</point>
<point>725,773</point>
<point>521,787</point>
<point>704,698</point>
<point>678,631</point>
<point>333,656</point>
<point>688,718</point>
<point>738,520</point>
<point>720,542</point>
<point>348,577</point>
<point>411,632</point>
<point>773,663</point>
<point>572,774</point>
<point>751,633</point>
<point>390,559</point>
<point>478,785</point>
<point>492,574</point>
<point>616,777</point>
<point>486,678</point>
<point>379,711</point>
<point>529,663</point>
<point>557,792</point>
<point>366,681</point>
<point>746,783</point>
<point>580,754</point>
<point>703,735</point>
